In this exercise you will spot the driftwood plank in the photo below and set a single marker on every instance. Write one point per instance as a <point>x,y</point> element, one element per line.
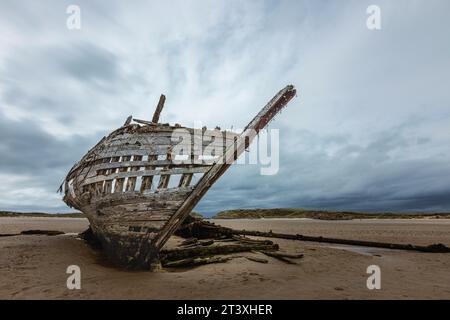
<point>282,256</point>
<point>183,253</point>
<point>128,121</point>
<point>436,248</point>
<point>189,262</point>
<point>257,260</point>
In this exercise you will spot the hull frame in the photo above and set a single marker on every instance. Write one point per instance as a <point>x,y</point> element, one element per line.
<point>135,192</point>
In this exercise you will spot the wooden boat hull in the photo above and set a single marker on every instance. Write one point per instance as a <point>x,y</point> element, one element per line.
<point>127,223</point>
<point>136,193</point>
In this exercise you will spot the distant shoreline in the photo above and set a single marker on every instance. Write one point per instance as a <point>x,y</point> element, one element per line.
<point>286,213</point>
<point>41,214</point>
<point>277,213</point>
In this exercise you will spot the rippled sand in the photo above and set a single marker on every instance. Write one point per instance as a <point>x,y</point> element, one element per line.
<point>35,266</point>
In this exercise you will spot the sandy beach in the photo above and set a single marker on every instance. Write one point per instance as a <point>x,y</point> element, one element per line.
<point>34,266</point>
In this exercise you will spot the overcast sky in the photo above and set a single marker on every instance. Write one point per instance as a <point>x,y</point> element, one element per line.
<point>369,130</point>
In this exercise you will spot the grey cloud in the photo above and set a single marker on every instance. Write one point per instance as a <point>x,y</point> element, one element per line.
<point>370,181</point>
<point>39,160</point>
<point>369,130</point>
<point>90,63</point>
<point>26,148</point>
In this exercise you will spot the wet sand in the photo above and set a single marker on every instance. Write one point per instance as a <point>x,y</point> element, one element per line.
<point>34,267</point>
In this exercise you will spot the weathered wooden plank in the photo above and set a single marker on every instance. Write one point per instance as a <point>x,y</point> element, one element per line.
<point>118,188</point>
<point>122,175</point>
<point>180,136</point>
<point>162,196</point>
<point>155,163</point>
<point>134,207</point>
<point>112,167</point>
<point>117,213</point>
<point>164,179</point>
<point>105,161</point>
<point>128,150</point>
<point>158,146</point>
<point>131,182</point>
<point>149,208</point>
<point>182,253</point>
<point>157,224</point>
<point>108,186</point>
<point>436,248</point>
<point>98,188</point>
<point>141,217</point>
<point>108,170</point>
<point>169,133</point>
<point>173,133</point>
<point>148,123</point>
<point>124,231</point>
<point>186,178</point>
<point>128,121</point>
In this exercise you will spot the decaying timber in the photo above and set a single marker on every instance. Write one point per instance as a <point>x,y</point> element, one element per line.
<point>198,250</point>
<point>433,248</point>
<point>199,229</point>
<point>135,192</point>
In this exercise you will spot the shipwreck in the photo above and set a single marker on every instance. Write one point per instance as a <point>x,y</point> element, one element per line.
<point>136,193</point>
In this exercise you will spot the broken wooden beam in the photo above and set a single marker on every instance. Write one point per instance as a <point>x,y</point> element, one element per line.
<point>148,123</point>
<point>200,228</point>
<point>184,253</point>
<point>159,108</point>
<point>257,259</point>
<point>252,241</point>
<point>283,255</point>
<point>128,121</point>
<point>200,243</point>
<point>189,241</point>
<point>434,248</point>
